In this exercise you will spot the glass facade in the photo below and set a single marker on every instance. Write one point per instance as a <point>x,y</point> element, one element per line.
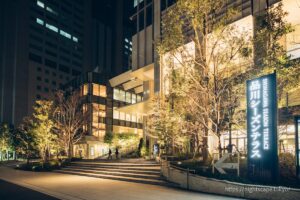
<point>98,124</point>
<point>127,117</point>
<point>128,97</point>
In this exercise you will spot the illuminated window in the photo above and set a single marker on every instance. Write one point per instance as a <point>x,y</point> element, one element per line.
<point>75,39</point>
<point>98,124</point>
<point>99,90</point>
<point>52,28</point>
<point>98,111</point>
<point>116,94</point>
<point>40,4</point>
<point>138,98</point>
<point>85,108</point>
<point>133,98</point>
<point>39,21</point>
<point>122,116</point>
<point>122,95</point>
<point>133,118</point>
<point>128,97</point>
<point>63,33</point>
<point>115,113</point>
<point>85,89</point>
<point>51,10</point>
<point>128,117</point>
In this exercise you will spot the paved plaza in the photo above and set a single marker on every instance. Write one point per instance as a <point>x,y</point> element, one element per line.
<point>74,187</point>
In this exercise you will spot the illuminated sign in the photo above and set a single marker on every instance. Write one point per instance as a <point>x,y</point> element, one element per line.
<point>297,145</point>
<point>262,126</point>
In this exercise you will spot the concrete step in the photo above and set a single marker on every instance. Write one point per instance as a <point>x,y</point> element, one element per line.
<point>141,171</point>
<point>115,173</point>
<point>124,167</point>
<point>121,164</point>
<point>115,177</point>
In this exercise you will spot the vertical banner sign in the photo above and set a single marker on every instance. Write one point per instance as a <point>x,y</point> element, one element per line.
<point>262,128</point>
<point>297,145</point>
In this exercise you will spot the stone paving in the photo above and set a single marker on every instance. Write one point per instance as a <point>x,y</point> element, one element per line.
<point>74,187</point>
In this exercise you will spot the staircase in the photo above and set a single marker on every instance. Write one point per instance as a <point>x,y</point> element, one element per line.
<point>130,170</point>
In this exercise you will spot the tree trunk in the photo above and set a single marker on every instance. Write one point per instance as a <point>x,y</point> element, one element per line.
<point>70,150</point>
<point>219,146</point>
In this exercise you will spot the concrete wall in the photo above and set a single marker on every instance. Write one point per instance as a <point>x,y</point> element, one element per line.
<point>222,187</point>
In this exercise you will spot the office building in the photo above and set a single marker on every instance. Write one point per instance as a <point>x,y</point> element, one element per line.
<point>43,45</point>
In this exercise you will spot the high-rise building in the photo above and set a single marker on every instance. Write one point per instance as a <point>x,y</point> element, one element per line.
<point>146,74</point>
<point>43,45</point>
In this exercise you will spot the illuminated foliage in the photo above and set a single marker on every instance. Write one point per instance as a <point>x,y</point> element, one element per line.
<point>204,69</point>
<point>43,129</point>
<point>5,139</point>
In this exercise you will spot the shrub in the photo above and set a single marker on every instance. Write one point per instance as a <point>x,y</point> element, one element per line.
<point>287,166</point>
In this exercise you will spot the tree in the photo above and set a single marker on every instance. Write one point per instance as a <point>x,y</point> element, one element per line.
<point>5,139</point>
<point>24,139</point>
<point>108,137</point>
<point>164,124</point>
<point>43,128</point>
<point>271,51</point>
<point>69,119</point>
<point>201,69</point>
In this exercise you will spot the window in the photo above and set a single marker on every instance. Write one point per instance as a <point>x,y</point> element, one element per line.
<point>138,98</point>
<point>46,71</point>
<point>46,89</point>
<point>85,89</point>
<point>75,39</point>
<point>35,58</point>
<point>98,125</point>
<point>54,83</point>
<point>99,90</point>
<point>122,116</point>
<point>64,68</point>
<point>50,64</point>
<point>128,97</point>
<point>116,94</point>
<point>39,21</point>
<point>133,98</point>
<point>47,80</point>
<point>63,33</point>
<point>141,20</point>
<point>115,113</point>
<point>122,95</point>
<point>40,4</point>
<point>133,118</point>
<point>51,10</point>
<point>38,78</point>
<point>38,96</point>
<point>128,117</point>
<point>38,87</point>
<point>51,53</point>
<point>52,28</point>
<point>149,16</point>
